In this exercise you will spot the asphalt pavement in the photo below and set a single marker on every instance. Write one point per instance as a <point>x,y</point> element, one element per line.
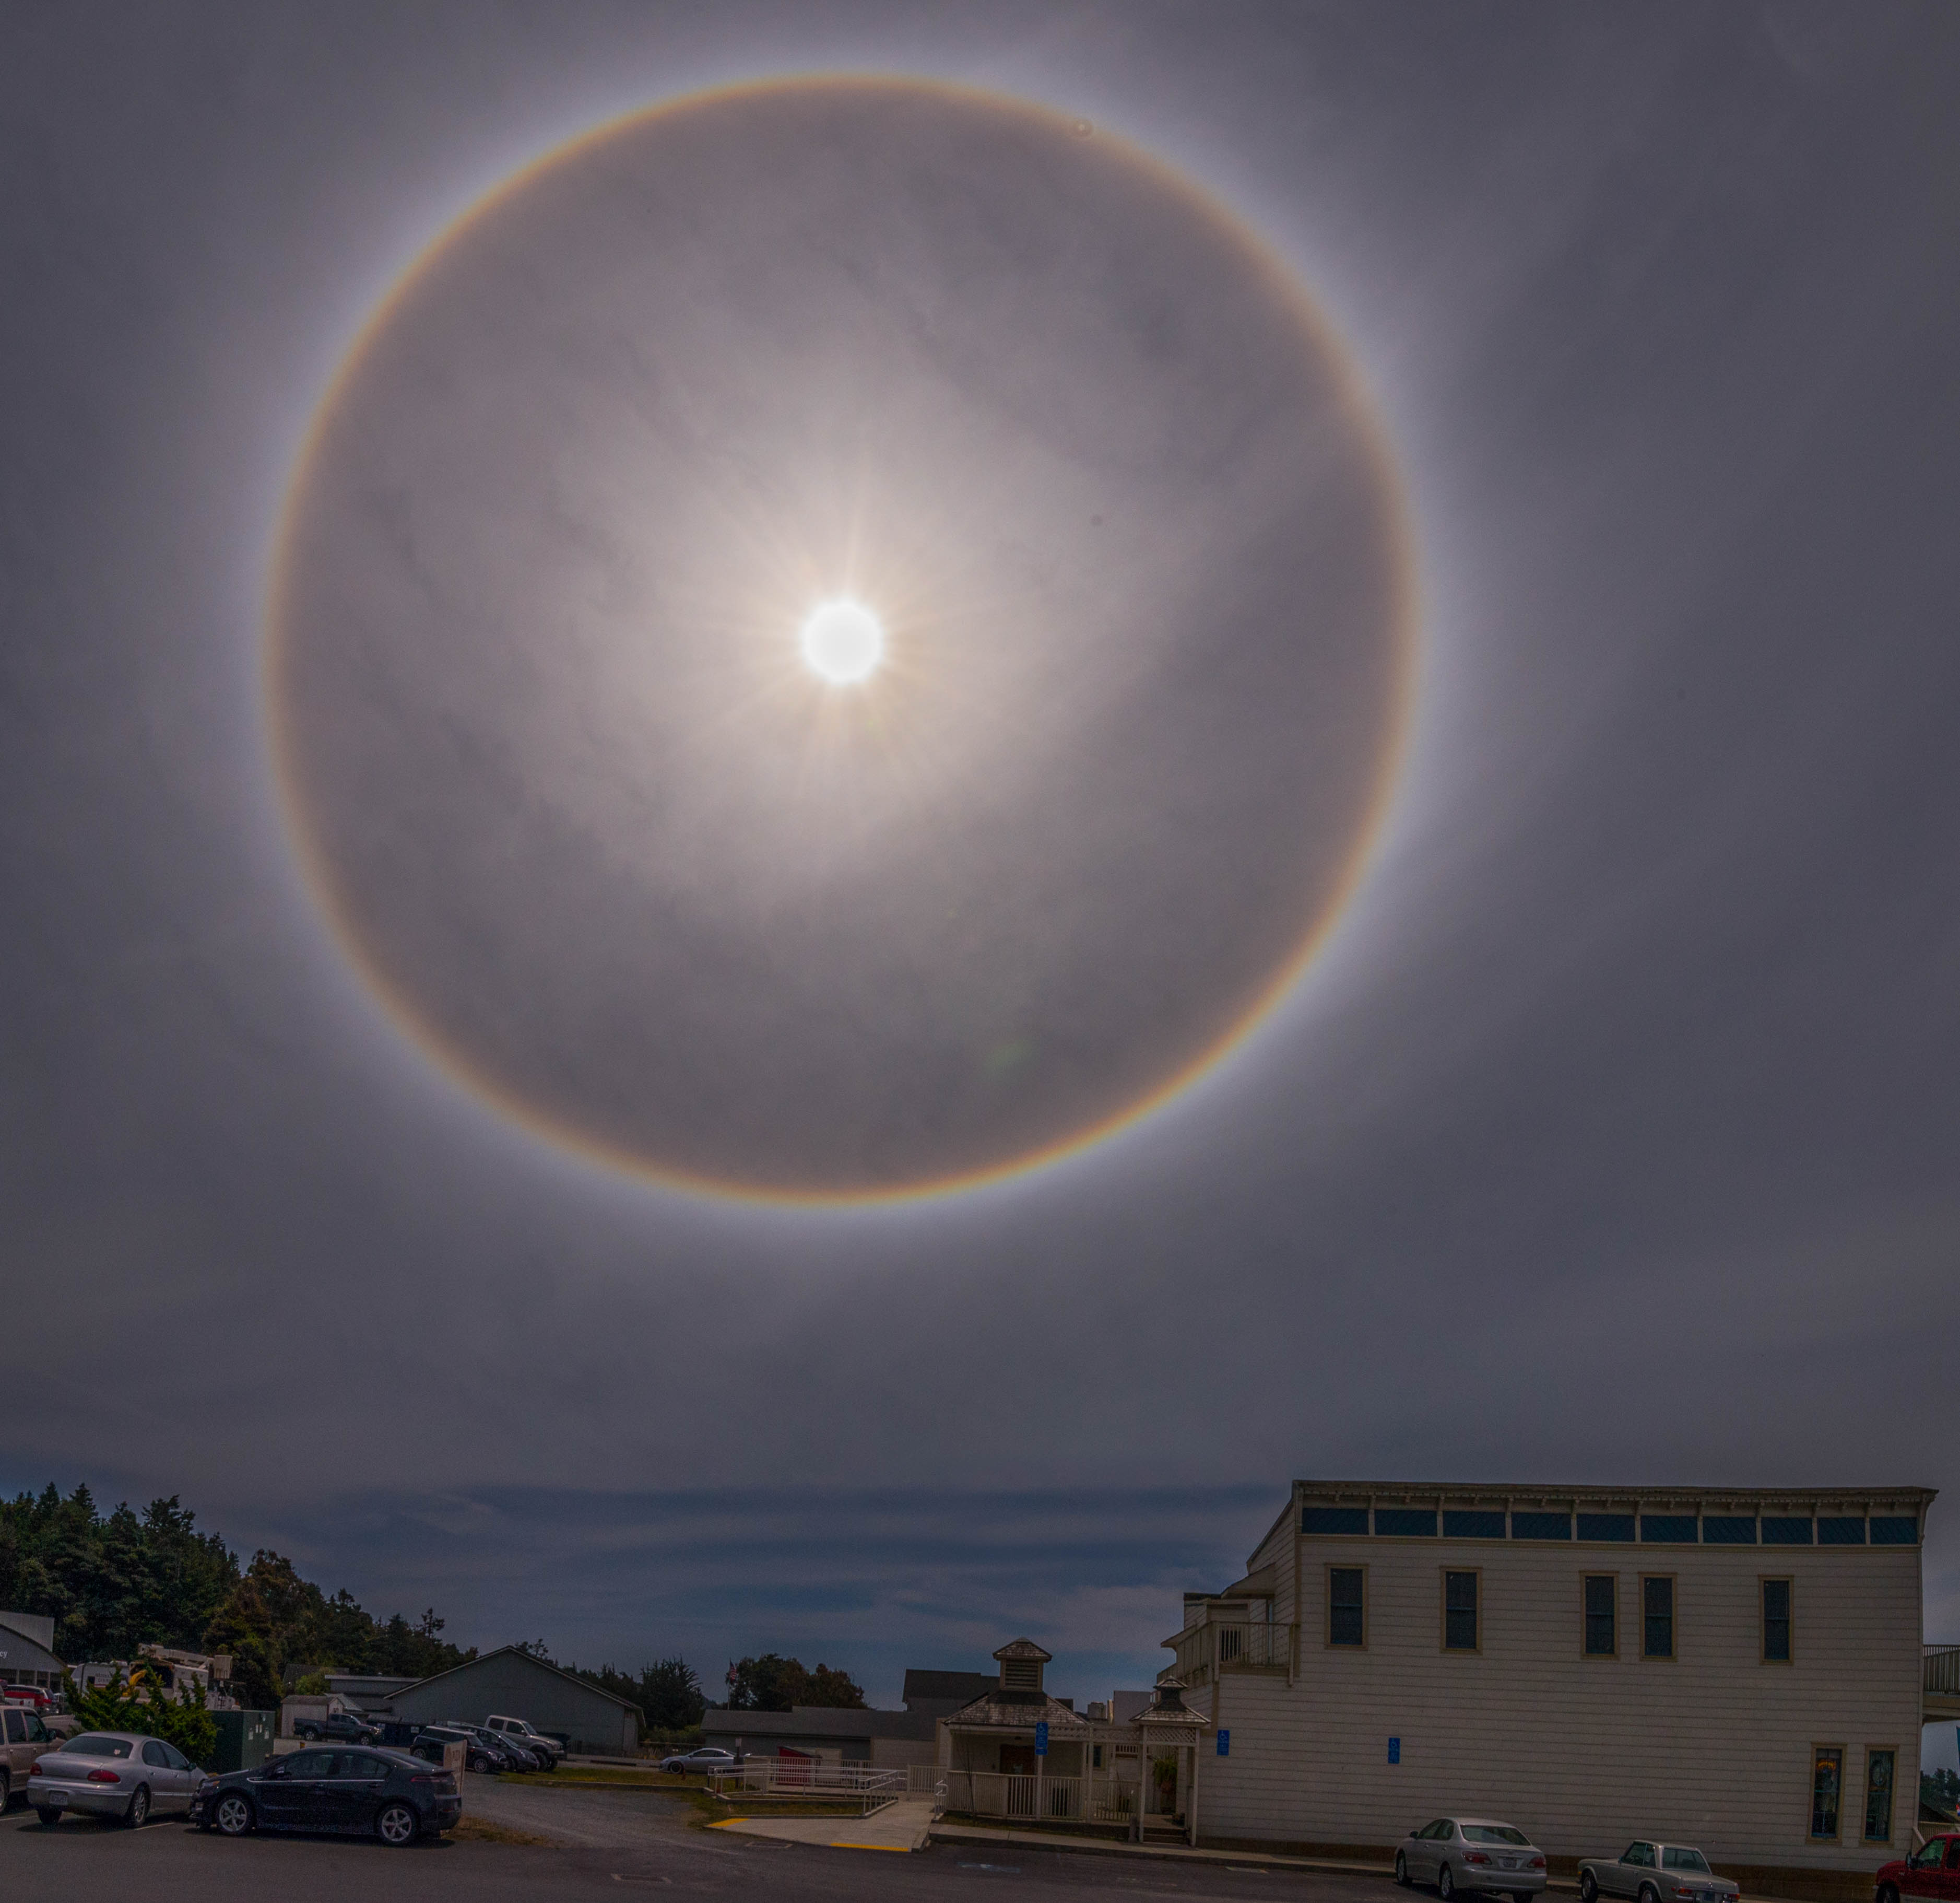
<point>604,1842</point>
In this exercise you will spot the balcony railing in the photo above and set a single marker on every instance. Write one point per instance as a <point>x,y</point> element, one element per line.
<point>1943,1670</point>
<point>1097,1798</point>
<point>1253,1646</point>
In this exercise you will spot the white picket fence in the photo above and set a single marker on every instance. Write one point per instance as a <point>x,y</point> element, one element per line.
<point>1013,1795</point>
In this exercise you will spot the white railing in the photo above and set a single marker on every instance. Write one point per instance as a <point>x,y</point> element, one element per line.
<point>1204,1650</point>
<point>1943,1670</point>
<point>792,1777</point>
<point>1016,1796</point>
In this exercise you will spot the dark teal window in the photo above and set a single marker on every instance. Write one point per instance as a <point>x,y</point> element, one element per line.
<point>1676,1529</point>
<point>1892,1529</point>
<point>1347,1606</point>
<point>1777,1531</point>
<point>1727,1529</point>
<point>1657,1619</point>
<point>1540,1526</point>
<point>1776,1621</point>
<point>1404,1522</point>
<point>1459,1612</point>
<point>1839,1533</point>
<point>1334,1519</point>
<point>1603,1638</point>
<point>1605,1525</point>
<point>1473,1526</point>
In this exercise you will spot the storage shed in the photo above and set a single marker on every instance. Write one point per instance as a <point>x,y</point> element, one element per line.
<point>510,1682</point>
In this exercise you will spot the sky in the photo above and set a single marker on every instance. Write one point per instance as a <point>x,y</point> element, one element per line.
<point>1608,1135</point>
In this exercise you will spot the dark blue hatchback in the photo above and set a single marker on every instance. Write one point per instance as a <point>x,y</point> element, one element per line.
<point>363,1791</point>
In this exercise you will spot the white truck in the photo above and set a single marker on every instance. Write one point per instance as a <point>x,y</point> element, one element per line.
<point>523,1730</point>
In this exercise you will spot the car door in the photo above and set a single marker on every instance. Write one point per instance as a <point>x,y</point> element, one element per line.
<point>1636,1868</point>
<point>166,1785</point>
<point>1422,1852</point>
<point>296,1797</point>
<point>354,1791</point>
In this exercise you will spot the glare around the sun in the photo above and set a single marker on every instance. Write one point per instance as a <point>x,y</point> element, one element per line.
<point>842,642</point>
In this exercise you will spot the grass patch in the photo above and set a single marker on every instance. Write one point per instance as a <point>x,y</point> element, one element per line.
<point>477,1830</point>
<point>598,1777</point>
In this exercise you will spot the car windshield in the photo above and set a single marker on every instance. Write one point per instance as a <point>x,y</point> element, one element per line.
<point>1493,1834</point>
<point>1675,1860</point>
<point>96,1745</point>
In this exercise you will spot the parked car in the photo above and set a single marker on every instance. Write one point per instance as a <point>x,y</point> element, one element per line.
<point>23,1737</point>
<point>527,1734</point>
<point>1470,1854</point>
<point>31,1694</point>
<point>356,1730</point>
<point>478,1755</point>
<point>1655,1873</point>
<point>522,1754</point>
<point>112,1774</point>
<point>707,1758</point>
<point>1932,1870</point>
<point>374,1792</point>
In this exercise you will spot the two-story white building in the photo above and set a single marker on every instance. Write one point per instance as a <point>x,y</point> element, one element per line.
<point>1738,1668</point>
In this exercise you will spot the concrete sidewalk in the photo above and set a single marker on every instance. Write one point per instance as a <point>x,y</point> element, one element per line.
<point>1114,1847</point>
<point>905,1825</point>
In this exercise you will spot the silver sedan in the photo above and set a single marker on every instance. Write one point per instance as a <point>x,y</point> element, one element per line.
<point>112,1774</point>
<point>1470,1854</point>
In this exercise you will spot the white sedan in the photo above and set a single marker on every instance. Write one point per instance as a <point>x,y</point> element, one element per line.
<point>708,1758</point>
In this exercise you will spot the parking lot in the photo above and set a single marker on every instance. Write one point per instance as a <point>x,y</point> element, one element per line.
<point>601,1840</point>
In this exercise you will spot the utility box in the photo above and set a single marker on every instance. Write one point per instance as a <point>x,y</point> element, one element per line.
<point>244,1740</point>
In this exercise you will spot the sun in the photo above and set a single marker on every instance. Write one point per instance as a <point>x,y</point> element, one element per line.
<point>843,641</point>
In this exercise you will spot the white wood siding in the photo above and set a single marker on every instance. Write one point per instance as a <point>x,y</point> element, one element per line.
<point>1712,1748</point>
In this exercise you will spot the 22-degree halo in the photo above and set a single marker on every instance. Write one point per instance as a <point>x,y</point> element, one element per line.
<point>605,845</point>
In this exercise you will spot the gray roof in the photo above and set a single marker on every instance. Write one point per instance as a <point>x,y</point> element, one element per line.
<point>1018,1649</point>
<point>530,1658</point>
<point>958,1686</point>
<point>1006,1710</point>
<point>817,1721</point>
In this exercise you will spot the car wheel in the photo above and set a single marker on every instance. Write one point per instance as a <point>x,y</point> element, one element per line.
<point>137,1814</point>
<point>1887,1893</point>
<point>50,1816</point>
<point>395,1826</point>
<point>232,1814</point>
<point>1649,1894</point>
<point>1446,1884</point>
<point>1402,1869</point>
<point>310,1733</point>
<point>1589,1887</point>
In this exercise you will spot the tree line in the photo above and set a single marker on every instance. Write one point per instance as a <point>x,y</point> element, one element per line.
<point>114,1582</point>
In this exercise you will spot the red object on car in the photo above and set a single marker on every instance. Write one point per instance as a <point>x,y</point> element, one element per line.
<point>31,1694</point>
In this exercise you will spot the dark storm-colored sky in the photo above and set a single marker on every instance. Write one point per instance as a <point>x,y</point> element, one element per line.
<point>1612,1137</point>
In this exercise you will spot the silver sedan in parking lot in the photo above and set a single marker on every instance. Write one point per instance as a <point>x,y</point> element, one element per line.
<point>112,1774</point>
<point>1470,1854</point>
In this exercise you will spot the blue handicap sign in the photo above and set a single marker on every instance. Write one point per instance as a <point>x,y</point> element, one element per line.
<point>1395,1751</point>
<point>1224,1744</point>
<point>1041,1739</point>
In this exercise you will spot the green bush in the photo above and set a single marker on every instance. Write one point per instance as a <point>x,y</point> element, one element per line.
<point>146,1710</point>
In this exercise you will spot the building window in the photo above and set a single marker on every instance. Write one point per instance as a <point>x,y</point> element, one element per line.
<point>1471,1525</point>
<point>1776,1621</point>
<point>1094,1756</point>
<point>1613,1526</point>
<point>1347,1605</point>
<point>1657,1616</point>
<point>1602,1615</point>
<point>1827,1784</point>
<point>1540,1526</point>
<point>1894,1529</point>
<point>1673,1529</point>
<point>1327,1522</point>
<point>1405,1522</point>
<point>1783,1530</point>
<point>1879,1766</point>
<point>1839,1532</point>
<point>1727,1529</point>
<point>1460,1632</point>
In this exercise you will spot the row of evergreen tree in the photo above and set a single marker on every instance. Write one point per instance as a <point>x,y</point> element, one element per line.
<point>116,1582</point>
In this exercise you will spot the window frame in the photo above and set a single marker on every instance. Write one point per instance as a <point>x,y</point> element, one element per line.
<point>1443,1635</point>
<point>1584,1652</point>
<point>1327,1570</point>
<point>1763,1581</point>
<point>1672,1655</point>
<point>1891,1805</point>
<point>1810,1836</point>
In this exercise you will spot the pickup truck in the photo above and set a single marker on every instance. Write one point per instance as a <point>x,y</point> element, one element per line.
<point>526,1734</point>
<point>315,1718</point>
<point>23,1737</point>
<point>1652,1872</point>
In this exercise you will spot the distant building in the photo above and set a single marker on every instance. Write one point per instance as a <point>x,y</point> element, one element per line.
<point>27,1651</point>
<point>1736,1668</point>
<point>513,1684</point>
<point>834,1735</point>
